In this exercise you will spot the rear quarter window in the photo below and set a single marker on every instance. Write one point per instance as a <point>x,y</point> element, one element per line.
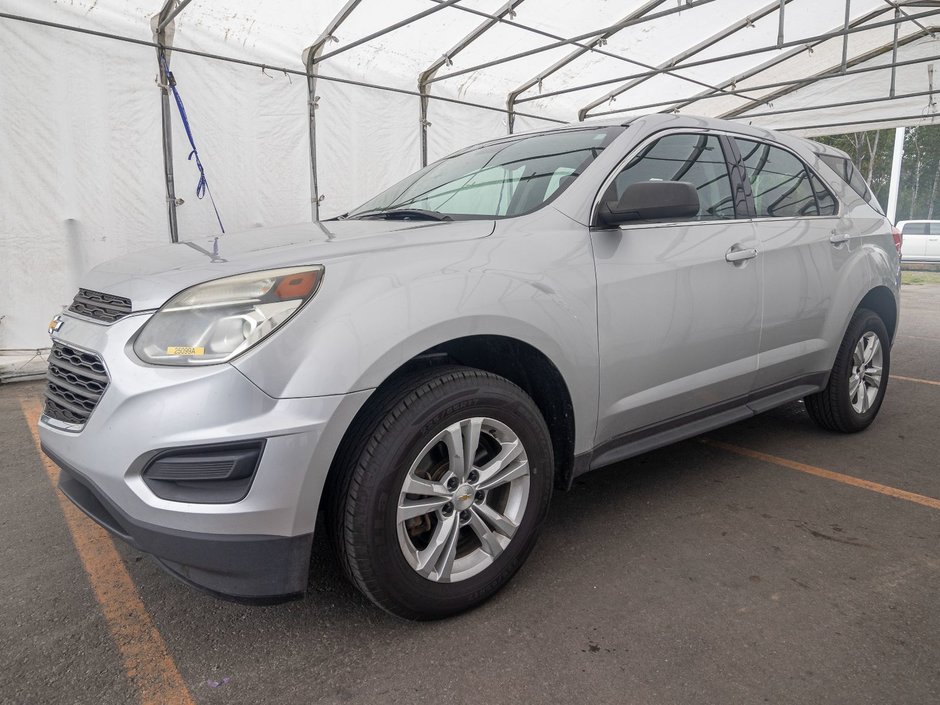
<point>851,176</point>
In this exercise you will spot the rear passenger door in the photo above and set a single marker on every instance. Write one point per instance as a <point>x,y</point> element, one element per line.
<point>933,241</point>
<point>803,249</point>
<point>915,236</point>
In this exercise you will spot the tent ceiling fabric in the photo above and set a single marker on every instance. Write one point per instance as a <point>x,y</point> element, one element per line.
<point>81,150</point>
<point>678,32</point>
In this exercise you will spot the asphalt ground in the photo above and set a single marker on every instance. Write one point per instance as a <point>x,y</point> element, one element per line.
<point>769,562</point>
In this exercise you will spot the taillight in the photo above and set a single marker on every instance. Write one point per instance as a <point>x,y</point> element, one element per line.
<point>898,238</point>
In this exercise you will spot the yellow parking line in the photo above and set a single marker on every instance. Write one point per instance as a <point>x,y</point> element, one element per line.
<point>148,664</point>
<point>915,379</point>
<point>828,474</point>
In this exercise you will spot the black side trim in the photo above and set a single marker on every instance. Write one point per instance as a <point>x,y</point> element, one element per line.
<point>241,567</point>
<point>743,197</point>
<point>694,423</point>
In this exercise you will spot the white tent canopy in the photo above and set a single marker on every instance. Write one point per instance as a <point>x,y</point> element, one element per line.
<point>82,175</point>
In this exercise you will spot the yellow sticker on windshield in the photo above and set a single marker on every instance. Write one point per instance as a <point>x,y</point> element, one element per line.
<point>178,350</point>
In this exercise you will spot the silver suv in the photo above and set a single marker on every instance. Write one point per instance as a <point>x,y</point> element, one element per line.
<point>423,370</point>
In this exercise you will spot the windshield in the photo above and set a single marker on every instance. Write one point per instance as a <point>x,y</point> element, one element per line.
<point>502,179</point>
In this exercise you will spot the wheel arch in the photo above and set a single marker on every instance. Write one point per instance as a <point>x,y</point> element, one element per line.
<point>516,360</point>
<point>882,301</point>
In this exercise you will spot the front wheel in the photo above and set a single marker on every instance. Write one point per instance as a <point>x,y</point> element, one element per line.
<point>859,377</point>
<point>446,487</point>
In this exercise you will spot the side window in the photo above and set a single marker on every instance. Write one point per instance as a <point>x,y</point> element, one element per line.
<point>697,159</point>
<point>824,198</point>
<point>779,181</point>
<point>916,229</point>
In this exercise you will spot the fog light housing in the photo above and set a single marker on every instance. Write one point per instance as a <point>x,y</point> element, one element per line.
<point>216,474</point>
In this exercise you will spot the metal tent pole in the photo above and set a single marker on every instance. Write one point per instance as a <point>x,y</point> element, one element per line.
<point>311,56</point>
<point>163,28</point>
<point>895,184</point>
<point>425,76</point>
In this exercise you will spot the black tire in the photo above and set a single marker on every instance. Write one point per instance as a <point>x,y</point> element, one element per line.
<point>831,408</point>
<point>371,467</point>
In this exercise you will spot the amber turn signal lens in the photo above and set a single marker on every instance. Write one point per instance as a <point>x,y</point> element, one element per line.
<point>297,286</point>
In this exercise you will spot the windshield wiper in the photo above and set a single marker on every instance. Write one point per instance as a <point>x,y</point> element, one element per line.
<point>403,214</point>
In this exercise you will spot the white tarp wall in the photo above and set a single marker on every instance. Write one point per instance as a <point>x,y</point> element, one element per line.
<point>81,171</point>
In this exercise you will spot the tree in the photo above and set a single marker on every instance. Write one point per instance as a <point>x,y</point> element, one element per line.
<point>919,193</point>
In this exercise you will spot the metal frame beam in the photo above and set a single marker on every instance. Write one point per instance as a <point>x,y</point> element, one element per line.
<point>595,48</point>
<point>286,70</point>
<point>726,57</point>
<point>834,71</point>
<point>894,53</point>
<point>843,104</point>
<point>776,61</point>
<point>900,8</point>
<point>385,30</point>
<point>854,123</point>
<point>766,86</point>
<point>674,61</point>
<point>577,53</point>
<point>163,27</point>
<point>845,36</point>
<point>689,4</point>
<point>446,59</point>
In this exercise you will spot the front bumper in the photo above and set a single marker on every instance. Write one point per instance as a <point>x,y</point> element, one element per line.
<point>255,548</point>
<point>250,568</point>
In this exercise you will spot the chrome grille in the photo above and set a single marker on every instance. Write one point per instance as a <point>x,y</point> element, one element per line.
<point>101,307</point>
<point>76,381</point>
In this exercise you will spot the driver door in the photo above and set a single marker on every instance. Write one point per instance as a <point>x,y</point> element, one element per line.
<point>679,314</point>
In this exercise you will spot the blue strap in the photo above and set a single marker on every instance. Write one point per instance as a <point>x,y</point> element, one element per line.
<point>202,187</point>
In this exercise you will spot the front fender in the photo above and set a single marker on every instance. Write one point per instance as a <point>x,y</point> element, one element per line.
<point>376,312</point>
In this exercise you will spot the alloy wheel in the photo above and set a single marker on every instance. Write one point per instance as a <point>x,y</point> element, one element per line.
<point>865,372</point>
<point>462,499</point>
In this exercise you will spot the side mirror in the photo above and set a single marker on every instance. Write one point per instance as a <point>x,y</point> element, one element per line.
<point>651,200</point>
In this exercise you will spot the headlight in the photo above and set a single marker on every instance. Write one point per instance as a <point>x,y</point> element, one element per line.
<point>215,321</point>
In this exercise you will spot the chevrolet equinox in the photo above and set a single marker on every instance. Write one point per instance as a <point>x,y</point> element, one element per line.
<point>423,370</point>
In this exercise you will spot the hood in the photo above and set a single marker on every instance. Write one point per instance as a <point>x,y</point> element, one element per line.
<point>150,277</point>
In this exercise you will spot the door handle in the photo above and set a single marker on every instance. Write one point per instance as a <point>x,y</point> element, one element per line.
<point>740,255</point>
<point>838,238</point>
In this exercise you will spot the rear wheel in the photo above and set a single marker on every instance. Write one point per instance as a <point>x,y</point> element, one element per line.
<point>445,489</point>
<point>859,377</point>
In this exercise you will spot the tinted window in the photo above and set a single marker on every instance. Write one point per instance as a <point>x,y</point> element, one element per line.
<point>696,159</point>
<point>779,181</point>
<point>824,199</point>
<point>916,229</point>
<point>848,172</point>
<point>504,178</point>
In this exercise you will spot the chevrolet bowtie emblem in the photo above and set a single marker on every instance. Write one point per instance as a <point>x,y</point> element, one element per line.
<point>55,325</point>
<point>464,498</point>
